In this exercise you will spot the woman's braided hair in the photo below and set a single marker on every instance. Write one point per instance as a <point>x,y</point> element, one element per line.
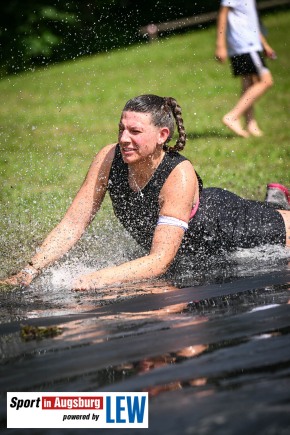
<point>164,110</point>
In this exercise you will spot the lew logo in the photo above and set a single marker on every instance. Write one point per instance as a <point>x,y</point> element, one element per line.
<point>126,409</point>
<point>77,410</point>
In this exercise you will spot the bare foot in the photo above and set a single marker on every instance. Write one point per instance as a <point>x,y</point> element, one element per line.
<point>253,129</point>
<point>235,125</point>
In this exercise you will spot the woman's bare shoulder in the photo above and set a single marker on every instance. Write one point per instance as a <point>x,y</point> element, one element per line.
<point>107,151</point>
<point>183,171</point>
<point>104,156</point>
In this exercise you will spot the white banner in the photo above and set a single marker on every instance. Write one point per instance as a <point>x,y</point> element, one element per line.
<point>77,410</point>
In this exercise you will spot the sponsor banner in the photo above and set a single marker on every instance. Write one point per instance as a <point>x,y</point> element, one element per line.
<point>77,410</point>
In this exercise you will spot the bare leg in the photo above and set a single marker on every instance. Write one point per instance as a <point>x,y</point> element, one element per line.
<point>252,125</point>
<point>249,96</point>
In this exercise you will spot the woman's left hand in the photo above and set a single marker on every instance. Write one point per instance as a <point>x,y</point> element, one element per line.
<point>86,282</point>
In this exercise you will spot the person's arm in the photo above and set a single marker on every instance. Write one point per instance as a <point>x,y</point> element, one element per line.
<point>268,50</point>
<point>177,196</point>
<point>78,216</point>
<point>221,52</point>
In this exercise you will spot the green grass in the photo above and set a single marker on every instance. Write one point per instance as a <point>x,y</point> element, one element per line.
<point>52,121</point>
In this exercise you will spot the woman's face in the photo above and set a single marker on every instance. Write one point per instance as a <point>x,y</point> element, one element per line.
<point>139,139</point>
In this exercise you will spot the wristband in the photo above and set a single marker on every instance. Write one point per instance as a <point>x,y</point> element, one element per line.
<point>30,272</point>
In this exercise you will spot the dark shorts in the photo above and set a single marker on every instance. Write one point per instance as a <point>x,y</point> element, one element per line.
<point>225,222</point>
<point>248,64</point>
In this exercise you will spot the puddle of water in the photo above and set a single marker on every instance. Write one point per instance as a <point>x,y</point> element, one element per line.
<point>51,294</point>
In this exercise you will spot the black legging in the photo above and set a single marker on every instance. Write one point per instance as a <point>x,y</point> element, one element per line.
<point>225,221</point>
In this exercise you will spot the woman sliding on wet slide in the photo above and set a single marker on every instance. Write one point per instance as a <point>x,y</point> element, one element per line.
<point>159,199</point>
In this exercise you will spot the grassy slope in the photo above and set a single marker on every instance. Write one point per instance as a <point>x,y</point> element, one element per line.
<point>53,121</point>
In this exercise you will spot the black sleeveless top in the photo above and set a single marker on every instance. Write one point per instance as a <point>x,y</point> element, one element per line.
<point>139,211</point>
<point>222,223</point>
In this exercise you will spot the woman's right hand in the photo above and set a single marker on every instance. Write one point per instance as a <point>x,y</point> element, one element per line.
<point>22,278</point>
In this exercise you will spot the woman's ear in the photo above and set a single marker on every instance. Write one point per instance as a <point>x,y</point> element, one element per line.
<point>163,135</point>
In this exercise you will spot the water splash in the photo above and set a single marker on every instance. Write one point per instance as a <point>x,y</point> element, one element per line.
<point>202,270</point>
<point>260,259</point>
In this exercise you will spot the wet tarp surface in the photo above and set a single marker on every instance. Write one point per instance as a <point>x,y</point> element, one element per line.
<point>215,358</point>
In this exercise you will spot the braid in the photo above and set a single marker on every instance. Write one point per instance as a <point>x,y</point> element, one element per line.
<point>176,111</point>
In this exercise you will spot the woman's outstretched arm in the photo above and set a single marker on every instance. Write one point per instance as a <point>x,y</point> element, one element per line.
<point>164,248</point>
<point>78,216</point>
